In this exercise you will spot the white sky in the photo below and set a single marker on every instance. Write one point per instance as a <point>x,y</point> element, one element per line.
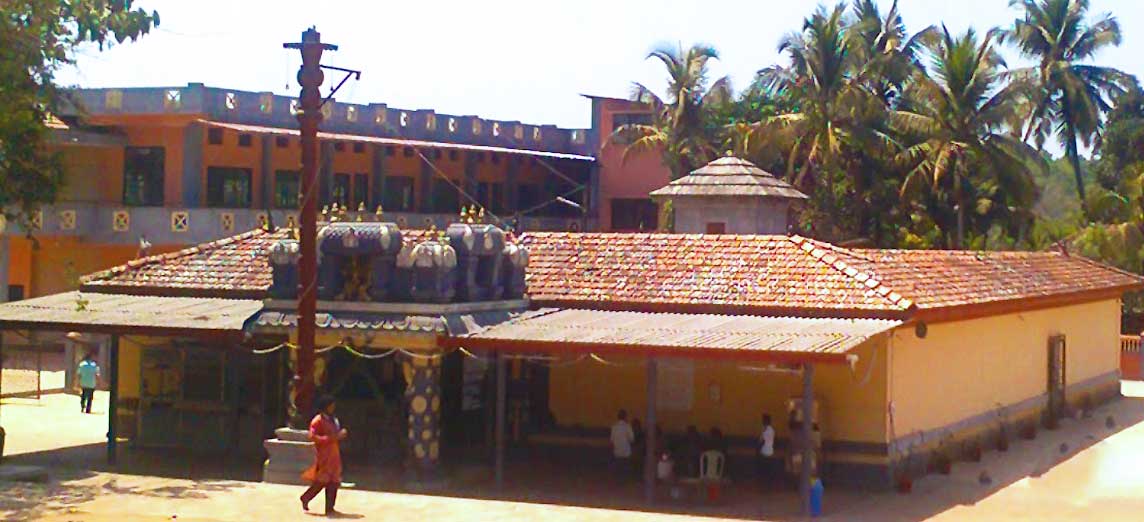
<point>503,59</point>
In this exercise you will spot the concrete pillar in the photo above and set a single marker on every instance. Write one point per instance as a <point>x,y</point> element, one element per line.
<point>192,165</point>
<point>5,261</point>
<point>501,406</point>
<point>423,402</point>
<point>425,203</point>
<point>325,172</point>
<point>511,172</point>
<point>649,432</point>
<point>469,183</point>
<point>377,172</point>
<point>806,435</point>
<point>113,404</point>
<point>266,169</point>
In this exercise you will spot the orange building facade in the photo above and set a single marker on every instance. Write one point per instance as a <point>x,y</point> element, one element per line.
<point>171,167</point>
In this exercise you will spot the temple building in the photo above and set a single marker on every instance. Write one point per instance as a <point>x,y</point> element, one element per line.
<point>444,343</point>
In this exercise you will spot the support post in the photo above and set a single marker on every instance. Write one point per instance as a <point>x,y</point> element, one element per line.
<point>113,404</point>
<point>649,432</point>
<point>502,393</point>
<point>807,434</point>
<point>310,78</point>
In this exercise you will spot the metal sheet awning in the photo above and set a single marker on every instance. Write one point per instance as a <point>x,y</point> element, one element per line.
<point>130,314</point>
<point>774,339</point>
<point>403,142</point>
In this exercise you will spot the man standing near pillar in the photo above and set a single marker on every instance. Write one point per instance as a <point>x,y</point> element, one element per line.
<point>87,377</point>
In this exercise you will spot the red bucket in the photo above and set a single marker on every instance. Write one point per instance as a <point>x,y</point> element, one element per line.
<point>712,492</point>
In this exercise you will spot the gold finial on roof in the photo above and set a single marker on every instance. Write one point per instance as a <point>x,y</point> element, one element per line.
<point>377,214</point>
<point>361,207</point>
<point>481,215</point>
<point>326,213</point>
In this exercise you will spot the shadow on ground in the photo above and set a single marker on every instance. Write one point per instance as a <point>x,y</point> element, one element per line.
<point>536,477</point>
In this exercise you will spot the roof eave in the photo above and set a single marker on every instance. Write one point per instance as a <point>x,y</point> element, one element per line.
<point>900,314</point>
<point>1011,306</point>
<point>580,348</point>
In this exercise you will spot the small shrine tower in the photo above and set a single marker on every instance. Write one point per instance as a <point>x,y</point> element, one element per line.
<point>729,196</point>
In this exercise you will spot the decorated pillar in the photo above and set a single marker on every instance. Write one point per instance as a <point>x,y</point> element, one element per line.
<point>423,401</point>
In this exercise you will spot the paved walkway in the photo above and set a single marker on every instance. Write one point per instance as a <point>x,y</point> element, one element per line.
<point>1098,476</point>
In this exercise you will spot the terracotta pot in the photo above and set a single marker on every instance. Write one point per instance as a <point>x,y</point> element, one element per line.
<point>1029,432</point>
<point>905,484</point>
<point>944,466</point>
<point>975,454</point>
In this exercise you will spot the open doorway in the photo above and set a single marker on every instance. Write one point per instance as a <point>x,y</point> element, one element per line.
<point>1057,381</point>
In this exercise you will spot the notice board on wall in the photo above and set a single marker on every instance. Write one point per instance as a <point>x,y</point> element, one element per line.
<point>675,385</point>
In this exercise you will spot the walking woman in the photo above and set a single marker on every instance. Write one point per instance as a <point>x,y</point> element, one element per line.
<point>326,473</point>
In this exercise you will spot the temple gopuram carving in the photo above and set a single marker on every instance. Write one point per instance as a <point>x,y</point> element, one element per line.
<point>382,289</point>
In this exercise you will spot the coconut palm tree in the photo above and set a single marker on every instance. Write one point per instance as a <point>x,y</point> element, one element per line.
<point>819,77</point>
<point>681,126</point>
<point>1071,97</point>
<point>961,159</point>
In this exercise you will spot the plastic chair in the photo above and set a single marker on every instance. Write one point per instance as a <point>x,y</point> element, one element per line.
<point>711,466</point>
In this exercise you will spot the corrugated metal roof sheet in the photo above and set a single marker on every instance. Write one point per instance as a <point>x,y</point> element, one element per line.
<point>112,312</point>
<point>255,129</point>
<point>729,176</point>
<point>686,333</point>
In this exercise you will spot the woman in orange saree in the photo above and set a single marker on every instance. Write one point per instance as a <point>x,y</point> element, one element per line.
<point>326,473</point>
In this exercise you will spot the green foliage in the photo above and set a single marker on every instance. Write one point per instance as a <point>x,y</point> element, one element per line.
<point>1069,97</point>
<point>929,140</point>
<point>37,37</point>
<point>681,124</point>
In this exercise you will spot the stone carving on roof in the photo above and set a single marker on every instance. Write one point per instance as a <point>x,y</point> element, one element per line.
<point>372,261</point>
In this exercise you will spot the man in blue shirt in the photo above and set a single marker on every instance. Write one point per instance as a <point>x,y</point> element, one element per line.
<point>88,376</point>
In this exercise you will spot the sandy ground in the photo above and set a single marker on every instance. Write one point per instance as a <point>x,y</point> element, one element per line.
<point>1099,476</point>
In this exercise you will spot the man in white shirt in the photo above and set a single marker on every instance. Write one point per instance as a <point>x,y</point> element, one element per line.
<point>767,448</point>
<point>622,438</point>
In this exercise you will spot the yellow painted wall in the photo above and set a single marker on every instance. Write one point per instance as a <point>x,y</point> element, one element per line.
<point>130,359</point>
<point>964,368</point>
<point>589,394</point>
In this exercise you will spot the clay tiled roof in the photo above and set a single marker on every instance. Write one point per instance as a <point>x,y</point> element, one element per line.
<point>942,279</point>
<point>798,276</point>
<point>718,273</point>
<point>232,267</point>
<point>762,275</point>
<point>729,176</point>
<point>235,267</point>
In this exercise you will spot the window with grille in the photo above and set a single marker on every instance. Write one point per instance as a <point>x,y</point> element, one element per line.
<point>446,199</point>
<point>287,187</point>
<point>143,176</point>
<point>398,194</point>
<point>340,190</point>
<point>360,191</point>
<point>228,187</point>
<point>491,196</point>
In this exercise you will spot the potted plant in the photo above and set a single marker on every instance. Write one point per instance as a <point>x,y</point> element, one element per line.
<point>942,461</point>
<point>1029,430</point>
<point>1002,429</point>
<point>973,451</point>
<point>903,480</point>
